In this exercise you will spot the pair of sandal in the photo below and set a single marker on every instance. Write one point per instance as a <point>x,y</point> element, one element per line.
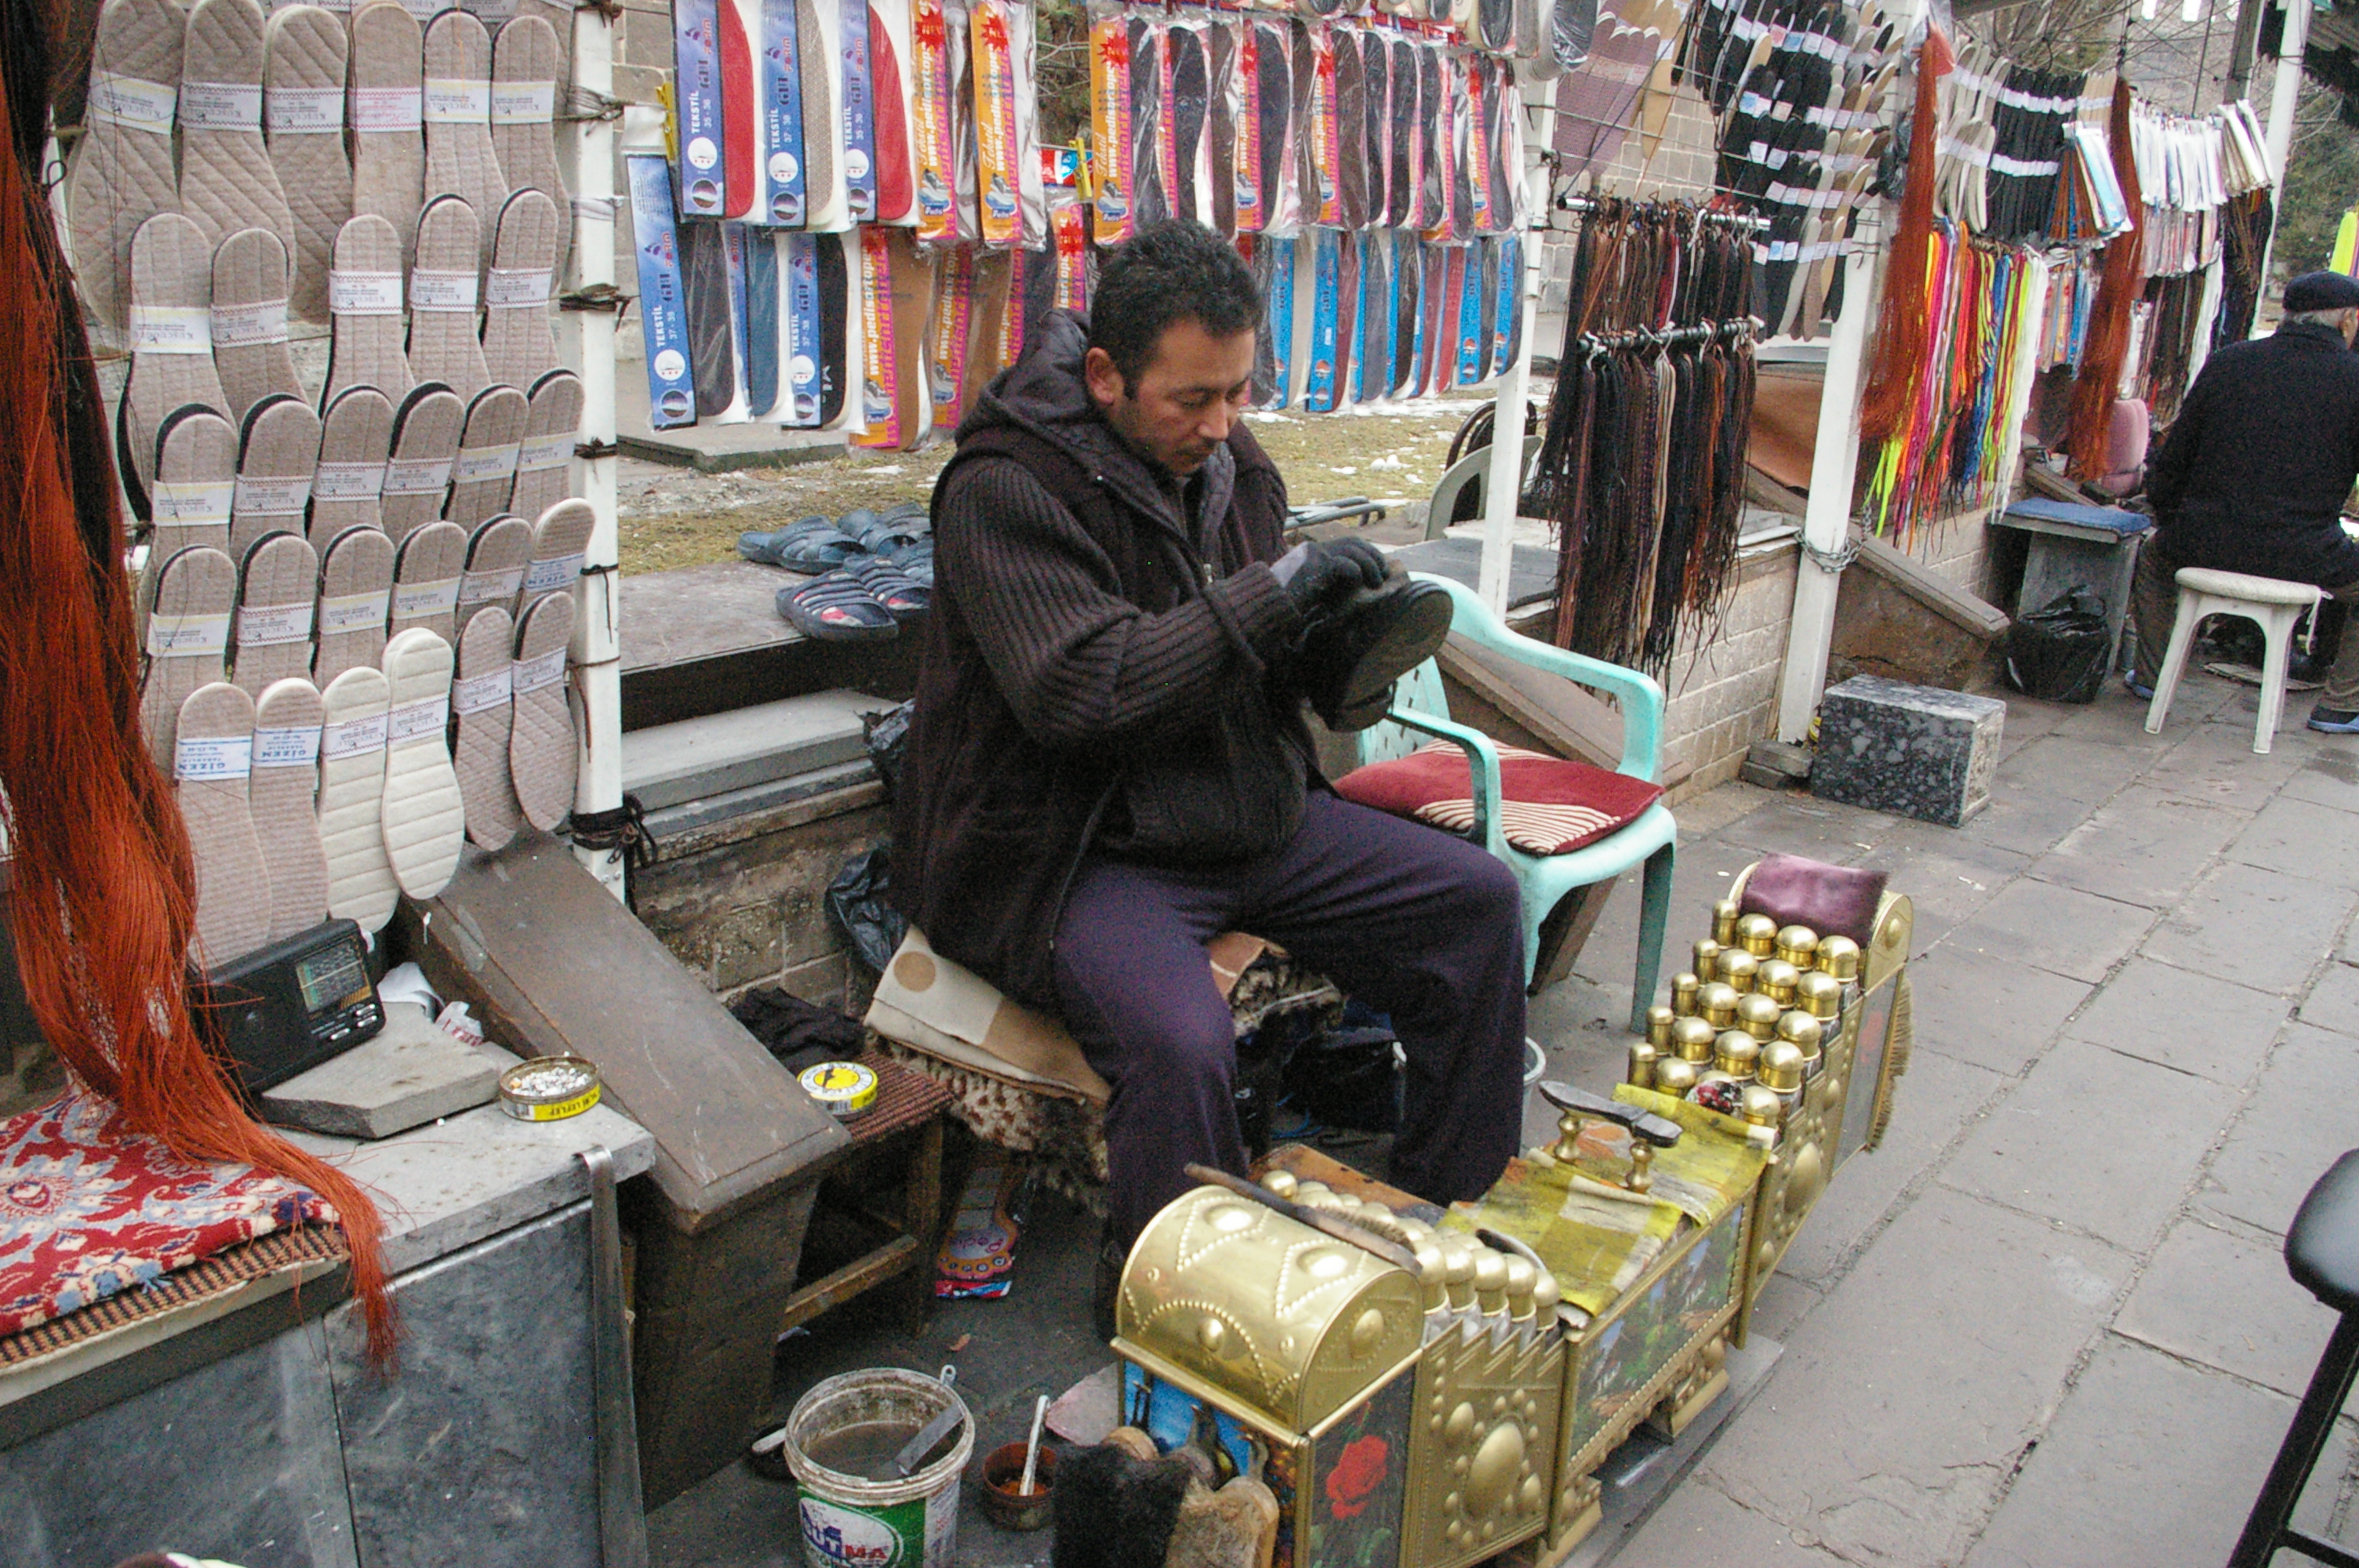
<point>818,545</point>
<point>864,601</point>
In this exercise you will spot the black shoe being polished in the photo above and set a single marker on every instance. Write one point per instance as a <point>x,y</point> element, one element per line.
<point>1353,653</point>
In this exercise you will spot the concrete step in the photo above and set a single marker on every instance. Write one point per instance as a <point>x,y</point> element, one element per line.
<point>693,759</point>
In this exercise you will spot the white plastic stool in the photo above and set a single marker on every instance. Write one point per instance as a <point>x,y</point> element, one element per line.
<point>2268,602</point>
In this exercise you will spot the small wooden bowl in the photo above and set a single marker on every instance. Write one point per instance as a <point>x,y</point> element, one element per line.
<point>1002,1471</point>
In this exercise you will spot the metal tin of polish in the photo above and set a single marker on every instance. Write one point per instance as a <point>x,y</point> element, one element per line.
<point>548,1088</point>
<point>1707,960</point>
<point>1675,1077</point>
<point>1736,1053</point>
<point>1658,1025</point>
<point>845,1088</point>
<point>1643,1057</point>
<point>1780,1066</point>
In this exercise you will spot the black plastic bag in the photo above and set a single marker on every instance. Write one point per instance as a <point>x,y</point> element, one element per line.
<point>871,928</point>
<point>2058,652</point>
<point>887,736</point>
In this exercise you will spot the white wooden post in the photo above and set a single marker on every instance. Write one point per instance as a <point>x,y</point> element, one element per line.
<point>588,344</point>
<point>2283,95</point>
<point>1826,521</point>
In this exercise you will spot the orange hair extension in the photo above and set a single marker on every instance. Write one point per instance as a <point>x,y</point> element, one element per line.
<point>1901,334</point>
<point>106,889</point>
<point>2099,384</point>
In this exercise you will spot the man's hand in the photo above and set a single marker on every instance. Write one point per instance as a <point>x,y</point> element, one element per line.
<point>1319,573</point>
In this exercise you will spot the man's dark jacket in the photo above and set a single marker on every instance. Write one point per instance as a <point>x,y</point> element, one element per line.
<point>2255,469</point>
<point>1094,673</point>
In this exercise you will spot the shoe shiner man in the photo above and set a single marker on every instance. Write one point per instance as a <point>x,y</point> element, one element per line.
<point>1108,764</point>
<point>2254,475</point>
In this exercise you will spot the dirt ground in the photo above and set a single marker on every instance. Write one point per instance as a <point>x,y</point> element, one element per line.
<point>676,517</point>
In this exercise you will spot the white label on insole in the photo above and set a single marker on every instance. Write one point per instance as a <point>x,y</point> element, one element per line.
<point>286,748</point>
<point>171,330</point>
<point>304,111</point>
<point>478,693</point>
<point>183,636</point>
<point>221,105</point>
<point>518,286</point>
<point>477,464</point>
<point>266,625</point>
<point>242,326</point>
<point>545,453</point>
<point>523,102</point>
<point>412,720</point>
<point>424,10</point>
<point>548,577</point>
<point>431,290</point>
<point>272,497</point>
<point>221,757</point>
<point>491,13</point>
<point>489,587</point>
<point>364,293</point>
<point>127,101</point>
<point>386,109</point>
<point>531,675</point>
<point>191,501</point>
<point>457,101</point>
<point>353,738</point>
<point>354,611</point>
<point>416,600</point>
<point>417,476</point>
<point>348,482</point>
<point>341,7</point>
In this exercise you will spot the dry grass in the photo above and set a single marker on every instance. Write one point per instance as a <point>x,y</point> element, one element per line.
<point>675,517</point>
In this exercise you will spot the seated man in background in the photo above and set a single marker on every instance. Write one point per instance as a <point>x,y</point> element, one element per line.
<point>2254,475</point>
<point>1108,764</point>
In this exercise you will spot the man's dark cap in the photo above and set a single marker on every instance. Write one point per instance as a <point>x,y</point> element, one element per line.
<point>2322,291</point>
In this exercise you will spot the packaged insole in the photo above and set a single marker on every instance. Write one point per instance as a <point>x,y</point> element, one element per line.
<point>1273,270</point>
<point>839,328</point>
<point>1264,77</point>
<point>997,174</point>
<point>1507,334</point>
<point>1024,61</point>
<point>1407,123</point>
<point>1453,291</point>
<point>803,349</point>
<point>741,326</point>
<point>859,113</point>
<point>1184,110</point>
<point>877,407</point>
<point>967,199</point>
<point>890,82</point>
<point>711,352</point>
<point>779,123</point>
<point>1372,365</point>
<point>1473,326</point>
<point>1324,381</point>
<point>1350,113</point>
<point>1463,144</point>
<point>1318,148</point>
<point>1149,166</point>
<point>1223,106</point>
<point>763,343</point>
<point>663,307</point>
<point>1110,141</point>
<point>946,341</point>
<point>1408,311</point>
<point>696,101</point>
<point>738,19</point>
<point>1376,126</point>
<point>933,149</point>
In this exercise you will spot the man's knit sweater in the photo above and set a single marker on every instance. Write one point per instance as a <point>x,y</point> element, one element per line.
<point>1096,674</point>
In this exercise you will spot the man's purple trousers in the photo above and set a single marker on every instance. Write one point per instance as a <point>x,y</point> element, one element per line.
<point>1408,919</point>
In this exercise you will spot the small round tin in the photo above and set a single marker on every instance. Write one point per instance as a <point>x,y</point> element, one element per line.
<point>548,1088</point>
<point>845,1088</point>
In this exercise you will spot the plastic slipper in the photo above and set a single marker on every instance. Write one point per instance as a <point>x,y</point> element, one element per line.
<point>834,608</point>
<point>812,544</point>
<point>882,534</point>
<point>916,559</point>
<point>891,587</point>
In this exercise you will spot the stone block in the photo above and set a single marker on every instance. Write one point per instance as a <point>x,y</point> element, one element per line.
<point>411,1073</point>
<point>748,944</point>
<point>1918,750</point>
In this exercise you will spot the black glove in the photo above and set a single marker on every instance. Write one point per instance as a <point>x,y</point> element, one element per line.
<point>1320,573</point>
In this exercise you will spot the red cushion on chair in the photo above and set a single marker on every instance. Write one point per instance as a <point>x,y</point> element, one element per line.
<point>1553,806</point>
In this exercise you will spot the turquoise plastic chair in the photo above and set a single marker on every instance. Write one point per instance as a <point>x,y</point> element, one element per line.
<point>1418,707</point>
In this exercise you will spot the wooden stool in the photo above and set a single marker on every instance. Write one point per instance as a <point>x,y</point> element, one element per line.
<point>2322,1255</point>
<point>2271,603</point>
<point>908,1109</point>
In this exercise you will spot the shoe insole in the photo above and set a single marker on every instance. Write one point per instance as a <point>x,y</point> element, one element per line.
<point>428,567</point>
<point>552,426</point>
<point>483,710</point>
<point>482,474</point>
<point>460,160</point>
<point>280,795</point>
<point>519,345</point>
<point>525,61</point>
<point>186,637</point>
<point>213,760</point>
<point>249,320</point>
<point>277,454</point>
<point>122,173</point>
<point>386,109</point>
<point>541,751</point>
<point>361,885</point>
<point>279,594</point>
<point>444,295</point>
<point>365,298</point>
<point>355,602</point>
<point>426,425</point>
<point>355,436</point>
<point>424,822</point>
<point>196,477</point>
<point>227,180</point>
<point>306,52</point>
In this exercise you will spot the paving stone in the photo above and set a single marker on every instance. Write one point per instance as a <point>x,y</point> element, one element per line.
<point>2333,1000</point>
<point>1804,825</point>
<point>2281,1144</point>
<point>2211,1297</point>
<point>1936,1099</point>
<point>2261,928</point>
<point>1783,1303</point>
<point>2090,771</point>
<point>2023,817</point>
<point>2120,726</point>
<point>1904,1399</point>
<point>2061,930</point>
<point>2179,1019</point>
<point>1979,1003</point>
<point>1948,882</point>
<point>2028,719</point>
<point>2150,1461</point>
<point>2217,765</point>
<point>1701,878</point>
<point>2142,846</point>
<point>2096,1140</point>
<point>1698,1527</point>
<point>2302,837</point>
<point>2328,778</point>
